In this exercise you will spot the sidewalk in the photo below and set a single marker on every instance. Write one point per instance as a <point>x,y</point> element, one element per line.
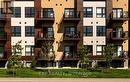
<point>64,80</point>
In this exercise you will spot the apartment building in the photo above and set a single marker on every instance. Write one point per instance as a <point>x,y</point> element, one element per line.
<point>52,31</point>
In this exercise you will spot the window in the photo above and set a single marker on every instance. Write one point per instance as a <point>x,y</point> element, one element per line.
<point>16,11</point>
<point>118,32</point>
<point>29,31</point>
<point>29,12</point>
<point>100,12</point>
<point>100,50</point>
<point>1,51</point>
<point>69,13</point>
<point>16,31</point>
<point>2,34</point>
<point>2,15</point>
<point>71,32</point>
<point>48,32</point>
<point>48,13</point>
<point>88,12</point>
<point>29,50</point>
<point>117,13</point>
<point>100,30</point>
<point>68,51</point>
<point>119,50</point>
<point>88,31</point>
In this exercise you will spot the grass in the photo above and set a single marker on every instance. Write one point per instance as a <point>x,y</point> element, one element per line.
<point>67,73</point>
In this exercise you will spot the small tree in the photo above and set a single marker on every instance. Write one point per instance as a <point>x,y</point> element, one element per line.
<point>109,53</point>
<point>47,51</point>
<point>33,64</point>
<point>84,52</point>
<point>15,59</point>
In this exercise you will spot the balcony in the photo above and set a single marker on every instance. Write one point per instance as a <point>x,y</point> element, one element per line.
<point>122,16</point>
<point>119,35</point>
<point>3,36</point>
<point>48,36</point>
<point>71,36</point>
<point>71,16</point>
<point>42,56</point>
<point>71,56</point>
<point>121,55</point>
<point>46,16</point>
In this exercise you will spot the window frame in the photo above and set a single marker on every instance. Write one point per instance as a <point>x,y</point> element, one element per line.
<point>101,14</point>
<point>29,33</point>
<point>47,13</point>
<point>16,33</point>
<point>102,50</point>
<point>31,52</point>
<point>86,14</point>
<point>29,12</point>
<point>16,14</point>
<point>102,31</point>
<point>85,31</point>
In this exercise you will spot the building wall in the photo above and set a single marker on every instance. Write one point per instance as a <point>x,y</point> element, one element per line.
<point>22,22</point>
<point>94,40</point>
<point>58,8</point>
<point>122,4</point>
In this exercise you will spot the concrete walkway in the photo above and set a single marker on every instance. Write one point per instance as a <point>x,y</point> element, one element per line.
<point>64,80</point>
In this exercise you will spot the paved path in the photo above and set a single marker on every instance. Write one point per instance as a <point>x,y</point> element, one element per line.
<point>63,80</point>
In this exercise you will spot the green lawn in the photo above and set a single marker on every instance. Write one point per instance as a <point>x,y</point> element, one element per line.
<point>68,73</point>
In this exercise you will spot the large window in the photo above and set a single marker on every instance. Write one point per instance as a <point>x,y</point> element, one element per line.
<point>29,50</point>
<point>100,50</point>
<point>100,30</point>
<point>16,12</point>
<point>29,12</point>
<point>118,32</point>
<point>100,12</point>
<point>48,32</point>
<point>88,31</point>
<point>16,31</point>
<point>119,50</point>
<point>29,31</point>
<point>88,12</point>
<point>68,51</point>
<point>71,32</point>
<point>1,51</point>
<point>48,13</point>
<point>117,13</point>
<point>2,34</point>
<point>69,13</point>
<point>2,15</point>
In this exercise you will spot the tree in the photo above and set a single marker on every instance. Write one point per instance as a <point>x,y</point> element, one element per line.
<point>84,53</point>
<point>109,53</point>
<point>15,59</point>
<point>33,64</point>
<point>47,50</point>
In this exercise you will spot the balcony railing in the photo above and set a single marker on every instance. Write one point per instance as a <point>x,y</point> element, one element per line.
<point>72,15</point>
<point>45,36</point>
<point>71,56</point>
<point>72,36</point>
<point>42,56</point>
<point>122,16</point>
<point>45,15</point>
<point>119,35</point>
<point>122,54</point>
